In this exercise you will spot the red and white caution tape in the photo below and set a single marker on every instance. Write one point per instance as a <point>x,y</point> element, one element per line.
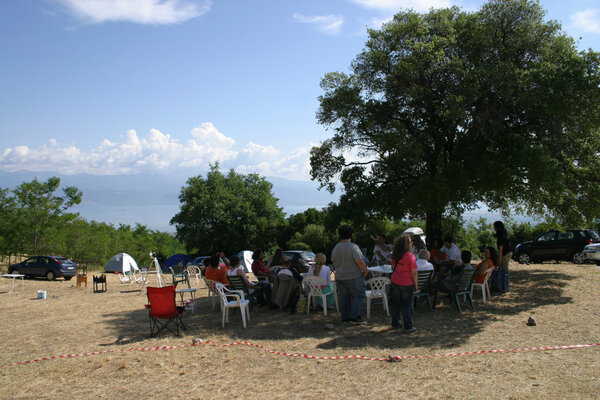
<point>307,356</point>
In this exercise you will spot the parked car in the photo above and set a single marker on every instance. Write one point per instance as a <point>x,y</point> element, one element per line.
<point>592,252</point>
<point>416,231</point>
<point>198,261</point>
<point>301,259</point>
<point>50,267</point>
<point>557,245</point>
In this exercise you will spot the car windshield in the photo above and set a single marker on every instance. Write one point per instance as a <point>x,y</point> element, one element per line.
<point>308,254</point>
<point>594,234</point>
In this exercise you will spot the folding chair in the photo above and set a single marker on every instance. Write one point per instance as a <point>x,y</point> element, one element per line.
<point>99,283</point>
<point>163,312</point>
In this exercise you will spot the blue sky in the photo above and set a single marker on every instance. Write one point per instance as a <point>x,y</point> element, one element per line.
<point>143,86</point>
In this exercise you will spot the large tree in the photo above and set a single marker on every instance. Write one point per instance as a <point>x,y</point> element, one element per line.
<point>227,213</point>
<point>38,209</point>
<point>444,110</point>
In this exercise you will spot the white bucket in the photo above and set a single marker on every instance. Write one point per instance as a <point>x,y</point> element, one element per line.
<point>41,294</point>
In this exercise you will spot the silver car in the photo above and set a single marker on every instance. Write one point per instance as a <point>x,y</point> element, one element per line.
<point>592,252</point>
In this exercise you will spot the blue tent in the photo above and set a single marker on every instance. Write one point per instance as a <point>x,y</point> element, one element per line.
<point>176,259</point>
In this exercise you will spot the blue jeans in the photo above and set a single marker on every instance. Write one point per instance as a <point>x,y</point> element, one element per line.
<point>351,296</point>
<point>402,300</point>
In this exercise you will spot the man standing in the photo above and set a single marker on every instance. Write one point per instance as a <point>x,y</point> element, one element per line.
<point>350,273</point>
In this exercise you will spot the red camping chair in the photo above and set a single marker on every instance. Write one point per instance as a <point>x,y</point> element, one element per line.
<point>164,313</point>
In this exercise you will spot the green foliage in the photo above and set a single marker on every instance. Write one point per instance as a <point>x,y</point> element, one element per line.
<point>227,213</point>
<point>35,222</point>
<point>37,209</point>
<point>524,231</point>
<point>11,241</point>
<point>478,236</point>
<point>448,109</point>
<point>296,223</point>
<point>313,237</point>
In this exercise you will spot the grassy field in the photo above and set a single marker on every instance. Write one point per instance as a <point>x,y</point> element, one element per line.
<point>562,297</point>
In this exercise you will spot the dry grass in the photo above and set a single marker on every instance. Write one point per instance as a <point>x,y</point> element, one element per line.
<point>563,297</point>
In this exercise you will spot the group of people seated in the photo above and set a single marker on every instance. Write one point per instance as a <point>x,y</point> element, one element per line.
<point>444,259</point>
<point>278,284</point>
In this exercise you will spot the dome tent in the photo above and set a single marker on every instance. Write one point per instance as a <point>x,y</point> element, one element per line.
<point>121,263</point>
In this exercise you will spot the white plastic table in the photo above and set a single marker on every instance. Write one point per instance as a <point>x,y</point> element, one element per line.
<point>380,270</point>
<point>13,277</point>
<point>189,305</point>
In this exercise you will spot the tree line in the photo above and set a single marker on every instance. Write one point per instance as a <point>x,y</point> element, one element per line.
<point>36,221</point>
<point>230,212</point>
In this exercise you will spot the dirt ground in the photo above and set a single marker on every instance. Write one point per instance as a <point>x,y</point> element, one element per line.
<point>563,298</point>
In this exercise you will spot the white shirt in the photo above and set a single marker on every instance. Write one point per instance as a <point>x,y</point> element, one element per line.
<point>452,253</point>
<point>285,271</point>
<point>424,265</point>
<point>386,253</point>
<point>324,273</point>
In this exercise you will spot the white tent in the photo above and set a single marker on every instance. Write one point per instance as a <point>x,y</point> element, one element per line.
<point>246,260</point>
<point>122,263</point>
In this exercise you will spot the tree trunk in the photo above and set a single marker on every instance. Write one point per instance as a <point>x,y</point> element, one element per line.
<point>433,227</point>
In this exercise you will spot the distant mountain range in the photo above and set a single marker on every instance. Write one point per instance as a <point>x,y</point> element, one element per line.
<point>152,200</point>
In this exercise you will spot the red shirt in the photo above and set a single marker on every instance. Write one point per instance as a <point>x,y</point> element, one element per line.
<point>402,275</point>
<point>259,268</point>
<point>480,278</point>
<point>217,274</point>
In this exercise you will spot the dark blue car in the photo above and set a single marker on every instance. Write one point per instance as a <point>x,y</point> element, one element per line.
<point>50,267</point>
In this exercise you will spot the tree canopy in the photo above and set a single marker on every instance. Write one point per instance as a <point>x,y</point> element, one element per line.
<point>35,221</point>
<point>37,208</point>
<point>227,213</point>
<point>449,109</point>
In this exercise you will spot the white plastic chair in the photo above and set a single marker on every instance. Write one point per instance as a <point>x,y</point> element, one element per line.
<point>213,293</point>
<point>131,276</point>
<point>124,277</point>
<point>237,302</point>
<point>485,287</point>
<point>194,271</point>
<point>314,284</point>
<point>377,291</point>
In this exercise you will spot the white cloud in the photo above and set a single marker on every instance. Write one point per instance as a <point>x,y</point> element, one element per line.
<point>253,150</point>
<point>156,12</point>
<point>395,5</point>
<point>158,151</point>
<point>330,24</point>
<point>377,23</point>
<point>588,20</point>
<point>271,162</point>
